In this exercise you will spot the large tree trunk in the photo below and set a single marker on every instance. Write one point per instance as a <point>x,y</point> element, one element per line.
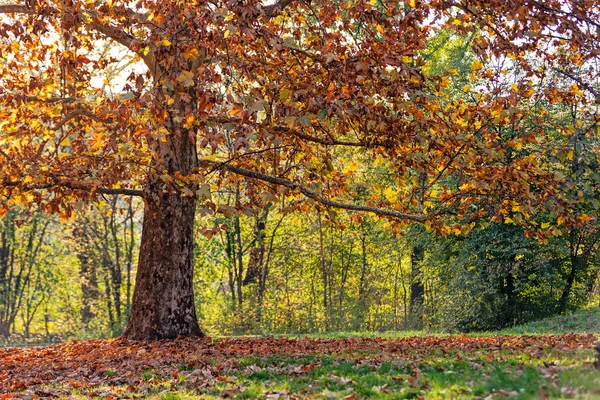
<point>163,299</point>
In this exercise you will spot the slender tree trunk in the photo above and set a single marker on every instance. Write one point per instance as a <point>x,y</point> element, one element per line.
<point>109,306</point>
<point>363,285</point>
<point>239,261</point>
<point>417,289</point>
<point>129,249</point>
<point>163,299</point>
<point>89,286</point>
<point>324,273</point>
<point>508,289</point>
<point>577,263</point>
<point>566,293</point>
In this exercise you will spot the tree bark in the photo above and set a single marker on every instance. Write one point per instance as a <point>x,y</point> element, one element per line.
<point>163,299</point>
<point>417,289</point>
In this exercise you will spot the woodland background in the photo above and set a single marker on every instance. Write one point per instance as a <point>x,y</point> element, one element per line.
<point>276,273</point>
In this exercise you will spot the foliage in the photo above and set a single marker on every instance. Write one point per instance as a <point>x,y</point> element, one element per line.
<point>460,117</point>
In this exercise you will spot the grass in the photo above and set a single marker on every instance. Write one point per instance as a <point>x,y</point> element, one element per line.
<point>583,321</point>
<point>494,365</point>
<point>437,376</point>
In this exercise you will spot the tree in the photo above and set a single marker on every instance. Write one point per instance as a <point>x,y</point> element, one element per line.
<point>23,275</point>
<point>264,96</point>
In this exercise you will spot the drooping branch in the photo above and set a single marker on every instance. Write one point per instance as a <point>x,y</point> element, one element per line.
<point>314,195</point>
<point>102,190</point>
<point>326,142</point>
<point>77,113</point>
<point>302,135</point>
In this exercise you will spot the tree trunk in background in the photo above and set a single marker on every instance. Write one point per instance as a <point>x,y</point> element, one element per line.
<point>508,289</point>
<point>566,293</point>
<point>417,289</point>
<point>89,287</point>
<point>577,263</point>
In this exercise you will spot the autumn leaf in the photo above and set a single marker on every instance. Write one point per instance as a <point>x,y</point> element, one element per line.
<point>186,78</point>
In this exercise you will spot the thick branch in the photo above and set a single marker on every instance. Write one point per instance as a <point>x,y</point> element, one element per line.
<point>16,9</point>
<point>74,186</point>
<point>315,196</point>
<point>122,191</point>
<point>77,113</point>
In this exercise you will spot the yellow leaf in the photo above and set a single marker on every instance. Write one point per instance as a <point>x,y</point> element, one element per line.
<point>373,2</point>
<point>518,145</point>
<point>379,28</point>
<point>411,3</point>
<point>390,194</point>
<point>65,142</point>
<point>477,65</point>
<point>226,34</point>
<point>165,42</point>
<point>191,54</point>
<point>350,167</point>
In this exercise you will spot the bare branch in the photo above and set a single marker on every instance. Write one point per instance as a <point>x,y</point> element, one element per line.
<point>313,195</point>
<point>49,100</point>
<point>563,12</point>
<point>579,81</point>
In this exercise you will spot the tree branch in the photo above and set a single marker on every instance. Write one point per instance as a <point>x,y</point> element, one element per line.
<point>74,186</point>
<point>313,195</point>
<point>16,9</point>
<point>301,135</point>
<point>579,81</point>
<point>109,31</point>
<point>326,142</point>
<point>275,9</point>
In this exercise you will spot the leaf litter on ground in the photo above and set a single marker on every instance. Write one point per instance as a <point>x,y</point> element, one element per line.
<point>542,366</point>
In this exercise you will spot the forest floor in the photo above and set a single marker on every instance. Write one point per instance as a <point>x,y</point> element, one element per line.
<point>462,367</point>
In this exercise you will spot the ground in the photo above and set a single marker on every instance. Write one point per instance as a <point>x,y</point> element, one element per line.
<point>469,367</point>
